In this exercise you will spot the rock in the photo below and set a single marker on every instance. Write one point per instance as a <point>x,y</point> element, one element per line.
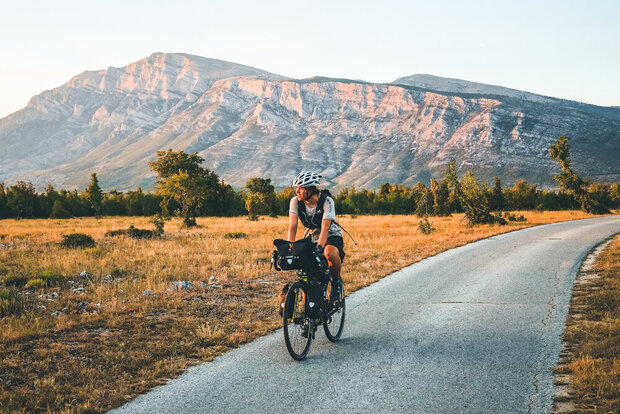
<point>70,282</point>
<point>57,314</point>
<point>212,278</point>
<point>79,290</point>
<point>203,284</point>
<point>82,304</point>
<point>87,275</point>
<point>54,295</point>
<point>181,285</point>
<point>108,278</point>
<point>148,292</point>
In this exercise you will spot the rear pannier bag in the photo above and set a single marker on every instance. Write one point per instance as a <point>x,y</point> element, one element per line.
<point>293,255</point>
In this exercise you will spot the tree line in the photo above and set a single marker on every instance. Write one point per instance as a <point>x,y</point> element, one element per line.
<point>186,189</point>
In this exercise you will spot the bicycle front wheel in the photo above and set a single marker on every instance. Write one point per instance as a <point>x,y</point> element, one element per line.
<point>297,324</point>
<point>334,325</point>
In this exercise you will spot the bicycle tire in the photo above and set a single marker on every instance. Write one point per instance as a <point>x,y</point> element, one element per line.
<point>297,325</point>
<point>335,324</point>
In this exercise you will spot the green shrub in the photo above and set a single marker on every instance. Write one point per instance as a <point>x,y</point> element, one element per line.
<point>158,221</point>
<point>93,251</point>
<point>77,240</point>
<point>114,233</point>
<point>50,278</point>
<point>15,280</point>
<point>515,217</point>
<point>235,235</point>
<point>425,226</point>
<point>10,303</point>
<point>133,233</point>
<point>35,283</point>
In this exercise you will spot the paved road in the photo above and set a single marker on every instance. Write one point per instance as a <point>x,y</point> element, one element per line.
<point>473,330</point>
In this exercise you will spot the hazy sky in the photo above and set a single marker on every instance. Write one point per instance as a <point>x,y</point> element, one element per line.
<point>566,49</point>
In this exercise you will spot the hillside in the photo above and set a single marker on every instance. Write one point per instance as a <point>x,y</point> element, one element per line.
<point>247,122</point>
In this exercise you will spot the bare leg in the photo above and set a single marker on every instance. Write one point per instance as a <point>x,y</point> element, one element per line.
<point>333,257</point>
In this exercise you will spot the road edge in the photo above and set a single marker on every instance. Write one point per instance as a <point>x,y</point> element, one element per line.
<point>563,400</point>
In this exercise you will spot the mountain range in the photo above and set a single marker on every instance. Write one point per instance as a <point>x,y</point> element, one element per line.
<point>246,122</point>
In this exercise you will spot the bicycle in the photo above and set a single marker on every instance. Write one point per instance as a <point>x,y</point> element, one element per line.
<point>306,305</point>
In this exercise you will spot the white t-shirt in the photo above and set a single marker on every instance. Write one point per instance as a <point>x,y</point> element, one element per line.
<point>329,213</point>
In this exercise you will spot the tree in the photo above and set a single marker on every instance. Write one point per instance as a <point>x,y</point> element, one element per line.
<point>180,177</point>
<point>261,197</point>
<point>283,200</point>
<point>440,193</point>
<point>497,201</point>
<point>452,180</point>
<point>568,179</point>
<point>22,199</point>
<point>423,200</point>
<point>114,204</point>
<point>59,211</point>
<point>474,200</point>
<point>94,195</point>
<point>5,211</point>
<point>523,195</point>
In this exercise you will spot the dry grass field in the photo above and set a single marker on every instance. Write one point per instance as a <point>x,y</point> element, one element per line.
<point>593,337</point>
<point>92,342</point>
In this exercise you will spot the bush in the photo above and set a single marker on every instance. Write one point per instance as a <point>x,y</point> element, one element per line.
<point>15,280</point>
<point>50,278</point>
<point>515,217</point>
<point>10,303</point>
<point>77,240</point>
<point>158,221</point>
<point>426,227</point>
<point>235,235</point>
<point>114,233</point>
<point>133,233</point>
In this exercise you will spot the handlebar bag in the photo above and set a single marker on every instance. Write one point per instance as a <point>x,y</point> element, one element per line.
<point>293,255</point>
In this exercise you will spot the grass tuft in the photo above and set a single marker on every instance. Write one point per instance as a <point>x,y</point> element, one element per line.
<point>10,303</point>
<point>235,235</point>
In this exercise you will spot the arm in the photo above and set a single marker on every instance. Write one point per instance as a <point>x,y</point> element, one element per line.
<point>292,226</point>
<point>325,224</point>
<point>328,216</point>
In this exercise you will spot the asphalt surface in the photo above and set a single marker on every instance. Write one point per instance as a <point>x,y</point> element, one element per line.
<point>476,329</point>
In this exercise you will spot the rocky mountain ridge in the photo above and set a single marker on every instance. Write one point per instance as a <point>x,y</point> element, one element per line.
<point>247,123</point>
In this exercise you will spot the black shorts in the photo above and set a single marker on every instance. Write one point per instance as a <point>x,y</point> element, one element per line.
<point>337,241</point>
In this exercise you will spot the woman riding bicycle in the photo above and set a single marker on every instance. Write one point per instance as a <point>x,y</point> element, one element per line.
<point>317,212</point>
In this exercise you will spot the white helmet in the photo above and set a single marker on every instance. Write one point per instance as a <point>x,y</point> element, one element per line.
<point>307,179</point>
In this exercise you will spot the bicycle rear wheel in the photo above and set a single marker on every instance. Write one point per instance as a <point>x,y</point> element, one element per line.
<point>334,325</point>
<point>297,324</point>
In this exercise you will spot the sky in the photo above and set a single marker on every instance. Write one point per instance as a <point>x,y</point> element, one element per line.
<point>566,49</point>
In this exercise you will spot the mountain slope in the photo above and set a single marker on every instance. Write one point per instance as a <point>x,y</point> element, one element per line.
<point>246,123</point>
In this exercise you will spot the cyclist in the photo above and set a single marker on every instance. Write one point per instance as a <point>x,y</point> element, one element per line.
<point>317,212</point>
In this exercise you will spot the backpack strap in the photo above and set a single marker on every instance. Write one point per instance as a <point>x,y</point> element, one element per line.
<point>315,221</point>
